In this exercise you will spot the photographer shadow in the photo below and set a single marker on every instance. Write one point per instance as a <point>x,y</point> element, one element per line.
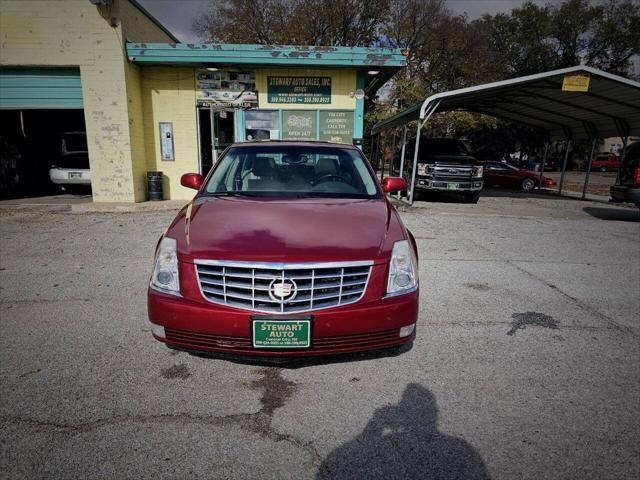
<point>403,442</point>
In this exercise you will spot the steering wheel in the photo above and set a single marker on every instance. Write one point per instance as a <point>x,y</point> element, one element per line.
<point>332,177</point>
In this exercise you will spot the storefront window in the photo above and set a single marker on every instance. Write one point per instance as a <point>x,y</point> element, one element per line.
<point>261,125</point>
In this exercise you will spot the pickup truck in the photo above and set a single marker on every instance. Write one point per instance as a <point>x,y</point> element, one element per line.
<point>445,165</point>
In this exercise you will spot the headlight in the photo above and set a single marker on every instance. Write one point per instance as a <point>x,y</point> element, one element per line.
<point>403,269</point>
<point>422,169</point>
<point>477,171</point>
<point>165,272</point>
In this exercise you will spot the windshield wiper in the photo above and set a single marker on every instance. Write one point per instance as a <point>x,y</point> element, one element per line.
<point>228,194</point>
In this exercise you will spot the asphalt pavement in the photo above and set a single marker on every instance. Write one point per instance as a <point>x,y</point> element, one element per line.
<point>526,364</point>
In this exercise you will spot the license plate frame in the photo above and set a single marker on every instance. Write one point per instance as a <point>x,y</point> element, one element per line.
<point>281,342</point>
<point>453,186</point>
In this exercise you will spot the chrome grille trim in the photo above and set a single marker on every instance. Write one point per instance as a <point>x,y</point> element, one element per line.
<point>318,286</point>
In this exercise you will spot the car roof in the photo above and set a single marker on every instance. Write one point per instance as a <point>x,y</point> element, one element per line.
<point>293,143</point>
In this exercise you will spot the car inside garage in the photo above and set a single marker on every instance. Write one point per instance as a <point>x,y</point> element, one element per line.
<point>42,126</point>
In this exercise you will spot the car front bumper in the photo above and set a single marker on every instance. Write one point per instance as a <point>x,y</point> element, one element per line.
<point>623,193</point>
<point>472,185</point>
<point>70,176</point>
<point>362,326</point>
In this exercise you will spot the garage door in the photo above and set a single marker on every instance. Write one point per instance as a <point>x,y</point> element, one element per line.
<point>40,88</point>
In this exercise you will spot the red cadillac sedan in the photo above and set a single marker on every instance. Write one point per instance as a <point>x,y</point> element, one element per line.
<point>287,249</point>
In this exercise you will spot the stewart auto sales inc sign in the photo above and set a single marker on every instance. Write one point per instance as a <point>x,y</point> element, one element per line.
<point>306,90</point>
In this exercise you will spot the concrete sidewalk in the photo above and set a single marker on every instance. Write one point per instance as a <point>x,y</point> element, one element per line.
<point>85,204</point>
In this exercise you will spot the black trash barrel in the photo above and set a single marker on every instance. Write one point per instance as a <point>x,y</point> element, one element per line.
<point>154,181</point>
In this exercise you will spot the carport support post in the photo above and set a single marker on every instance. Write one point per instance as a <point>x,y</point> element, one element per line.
<point>393,149</point>
<point>564,165</point>
<point>586,178</point>
<point>415,162</point>
<point>544,160</point>
<point>404,142</point>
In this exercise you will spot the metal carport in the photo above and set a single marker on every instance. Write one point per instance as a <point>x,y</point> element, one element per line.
<point>573,103</point>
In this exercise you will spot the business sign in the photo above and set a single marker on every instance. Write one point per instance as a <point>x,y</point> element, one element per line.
<point>336,127</point>
<point>299,124</point>
<point>576,82</point>
<point>226,89</point>
<point>299,90</point>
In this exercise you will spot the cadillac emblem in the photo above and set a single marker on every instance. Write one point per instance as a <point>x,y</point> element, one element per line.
<point>282,290</point>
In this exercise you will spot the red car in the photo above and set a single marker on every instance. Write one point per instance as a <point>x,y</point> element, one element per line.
<point>605,162</point>
<point>498,174</point>
<point>288,249</point>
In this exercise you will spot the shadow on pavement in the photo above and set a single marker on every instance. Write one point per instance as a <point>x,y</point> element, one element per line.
<point>618,214</point>
<point>402,441</point>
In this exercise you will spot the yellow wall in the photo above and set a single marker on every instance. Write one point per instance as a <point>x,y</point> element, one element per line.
<point>342,82</point>
<point>64,33</point>
<point>168,95</point>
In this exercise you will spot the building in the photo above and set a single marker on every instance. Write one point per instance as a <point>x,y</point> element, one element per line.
<point>150,103</point>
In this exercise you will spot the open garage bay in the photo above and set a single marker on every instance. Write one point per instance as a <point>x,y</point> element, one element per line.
<point>526,364</point>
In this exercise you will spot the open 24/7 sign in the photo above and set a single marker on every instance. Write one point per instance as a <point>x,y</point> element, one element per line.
<point>299,90</point>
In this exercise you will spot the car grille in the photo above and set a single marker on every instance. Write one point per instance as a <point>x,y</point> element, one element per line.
<point>282,288</point>
<point>452,172</point>
<point>207,341</point>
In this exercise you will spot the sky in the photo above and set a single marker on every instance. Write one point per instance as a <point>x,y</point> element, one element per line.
<point>178,15</point>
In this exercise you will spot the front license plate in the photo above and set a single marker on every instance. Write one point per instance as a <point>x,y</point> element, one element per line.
<point>75,174</point>
<point>281,333</point>
<point>453,186</point>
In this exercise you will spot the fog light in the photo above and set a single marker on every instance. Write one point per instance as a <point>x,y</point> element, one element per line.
<point>402,280</point>
<point>408,330</point>
<point>165,278</point>
<point>158,330</point>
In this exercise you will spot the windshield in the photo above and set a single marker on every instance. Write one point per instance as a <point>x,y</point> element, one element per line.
<point>443,146</point>
<point>292,170</point>
<point>74,142</point>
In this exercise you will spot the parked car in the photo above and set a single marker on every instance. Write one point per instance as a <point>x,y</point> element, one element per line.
<point>497,174</point>
<point>287,249</point>
<point>605,162</point>
<point>445,165</point>
<point>553,164</point>
<point>627,187</point>
<point>72,165</point>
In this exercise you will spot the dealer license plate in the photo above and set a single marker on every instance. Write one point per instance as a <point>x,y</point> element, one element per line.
<point>75,175</point>
<point>281,333</point>
<point>453,186</point>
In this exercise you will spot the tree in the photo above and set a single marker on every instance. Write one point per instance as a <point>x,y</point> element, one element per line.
<point>294,22</point>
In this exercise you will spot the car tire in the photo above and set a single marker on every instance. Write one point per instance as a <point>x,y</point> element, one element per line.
<point>528,185</point>
<point>471,197</point>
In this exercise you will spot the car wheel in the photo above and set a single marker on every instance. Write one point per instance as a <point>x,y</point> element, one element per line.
<point>528,185</point>
<point>471,197</point>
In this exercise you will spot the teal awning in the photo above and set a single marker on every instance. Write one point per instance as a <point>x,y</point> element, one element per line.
<point>385,61</point>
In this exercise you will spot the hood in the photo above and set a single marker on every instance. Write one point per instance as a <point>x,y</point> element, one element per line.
<point>449,160</point>
<point>284,230</point>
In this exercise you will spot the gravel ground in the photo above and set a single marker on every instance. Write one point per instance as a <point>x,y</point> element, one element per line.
<point>526,364</point>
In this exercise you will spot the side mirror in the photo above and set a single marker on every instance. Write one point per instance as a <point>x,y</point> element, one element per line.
<point>192,180</point>
<point>393,184</point>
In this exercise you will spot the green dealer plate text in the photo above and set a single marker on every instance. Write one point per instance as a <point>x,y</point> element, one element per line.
<point>281,333</point>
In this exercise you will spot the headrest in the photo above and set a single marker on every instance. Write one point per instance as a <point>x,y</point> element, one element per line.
<point>326,166</point>
<point>264,167</point>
